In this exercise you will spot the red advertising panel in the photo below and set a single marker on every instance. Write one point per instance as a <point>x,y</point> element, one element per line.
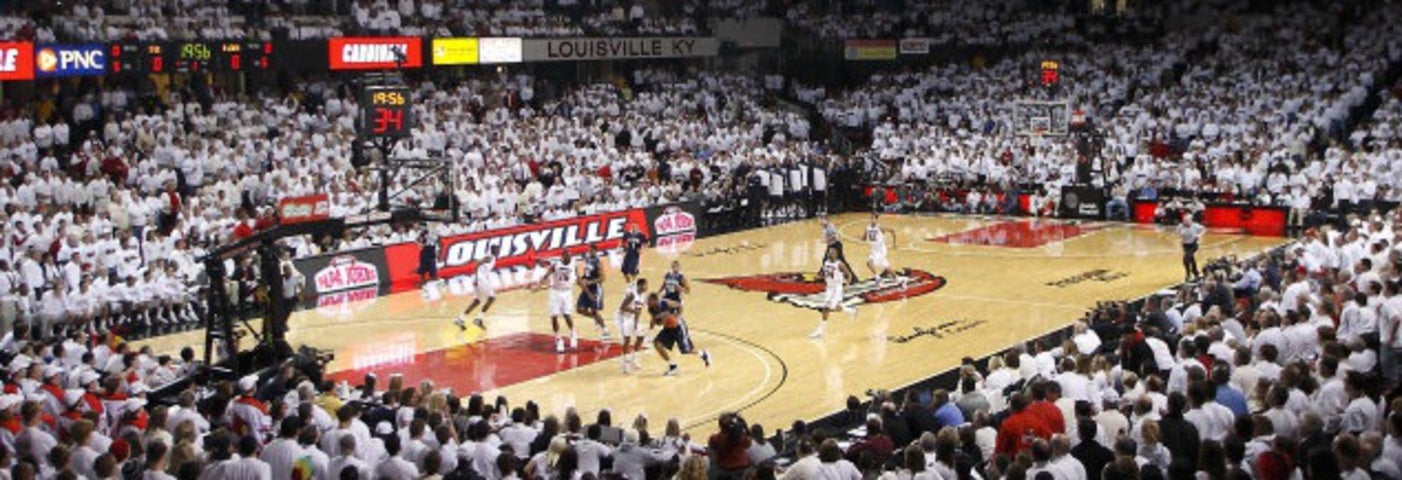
<point>16,61</point>
<point>1259,221</point>
<point>304,209</point>
<point>520,245</point>
<point>374,53</point>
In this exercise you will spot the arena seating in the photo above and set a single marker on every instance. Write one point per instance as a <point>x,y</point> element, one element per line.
<point>1271,367</point>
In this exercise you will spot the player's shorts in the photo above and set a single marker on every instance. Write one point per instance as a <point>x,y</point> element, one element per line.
<point>594,303</point>
<point>630,264</point>
<point>832,298</point>
<point>560,303</point>
<point>428,265</point>
<point>676,337</point>
<point>879,262</point>
<point>483,289</point>
<point>629,326</point>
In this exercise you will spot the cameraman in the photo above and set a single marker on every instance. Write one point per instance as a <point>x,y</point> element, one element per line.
<point>728,448</point>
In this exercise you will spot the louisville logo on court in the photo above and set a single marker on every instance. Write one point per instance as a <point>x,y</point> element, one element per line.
<point>805,290</point>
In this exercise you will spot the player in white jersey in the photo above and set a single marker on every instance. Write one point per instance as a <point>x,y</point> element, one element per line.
<point>484,289</point>
<point>630,330</point>
<point>560,278</point>
<point>877,262</point>
<point>834,275</point>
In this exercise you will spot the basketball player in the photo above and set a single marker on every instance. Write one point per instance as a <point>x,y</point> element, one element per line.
<point>560,279</point>
<point>633,243</point>
<point>591,292</point>
<point>666,313</point>
<point>485,293</point>
<point>674,284</point>
<point>833,239</point>
<point>428,256</point>
<point>833,277</point>
<point>877,262</point>
<point>1190,233</point>
<point>630,330</point>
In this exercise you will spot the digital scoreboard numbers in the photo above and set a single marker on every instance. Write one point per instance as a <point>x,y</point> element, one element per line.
<point>189,57</point>
<point>387,112</point>
<point>237,57</point>
<point>136,58</point>
<point>220,57</point>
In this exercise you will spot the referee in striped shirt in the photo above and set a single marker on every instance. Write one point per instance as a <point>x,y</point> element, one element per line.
<point>1190,233</point>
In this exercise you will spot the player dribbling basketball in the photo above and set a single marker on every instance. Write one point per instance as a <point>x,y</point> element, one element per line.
<point>667,314</point>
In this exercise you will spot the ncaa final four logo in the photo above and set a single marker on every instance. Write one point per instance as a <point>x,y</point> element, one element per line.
<point>805,290</point>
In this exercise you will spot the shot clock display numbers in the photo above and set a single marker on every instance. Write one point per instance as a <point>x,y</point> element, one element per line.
<point>387,112</point>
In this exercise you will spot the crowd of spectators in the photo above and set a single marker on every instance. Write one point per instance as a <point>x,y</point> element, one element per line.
<point>1000,23</point>
<point>92,225</point>
<point>110,204</point>
<point>1276,367</point>
<point>1261,109</point>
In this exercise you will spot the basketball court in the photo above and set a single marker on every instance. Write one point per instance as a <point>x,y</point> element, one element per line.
<point>976,286</point>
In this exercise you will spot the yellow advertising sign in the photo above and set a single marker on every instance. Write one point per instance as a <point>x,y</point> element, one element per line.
<point>455,51</point>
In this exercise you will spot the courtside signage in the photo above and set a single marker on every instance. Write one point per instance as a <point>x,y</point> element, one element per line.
<point>499,49</point>
<point>454,51</point>
<point>374,53</point>
<point>564,49</point>
<point>304,209</point>
<point>521,246</point>
<point>70,60</point>
<point>16,61</point>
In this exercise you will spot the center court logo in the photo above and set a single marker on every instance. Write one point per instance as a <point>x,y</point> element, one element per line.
<point>805,290</point>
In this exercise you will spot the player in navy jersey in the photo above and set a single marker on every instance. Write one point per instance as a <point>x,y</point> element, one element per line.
<point>674,284</point>
<point>633,243</point>
<point>674,334</point>
<point>591,292</point>
<point>428,256</point>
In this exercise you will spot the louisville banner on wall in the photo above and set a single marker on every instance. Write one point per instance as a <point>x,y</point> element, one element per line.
<point>337,279</point>
<point>16,61</point>
<point>563,49</point>
<point>521,245</point>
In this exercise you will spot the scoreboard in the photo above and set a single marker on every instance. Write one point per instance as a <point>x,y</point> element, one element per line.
<point>386,112</point>
<point>188,57</point>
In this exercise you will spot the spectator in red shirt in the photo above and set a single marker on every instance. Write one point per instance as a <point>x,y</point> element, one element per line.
<point>1019,430</point>
<point>1044,406</point>
<point>877,443</point>
<point>729,447</point>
